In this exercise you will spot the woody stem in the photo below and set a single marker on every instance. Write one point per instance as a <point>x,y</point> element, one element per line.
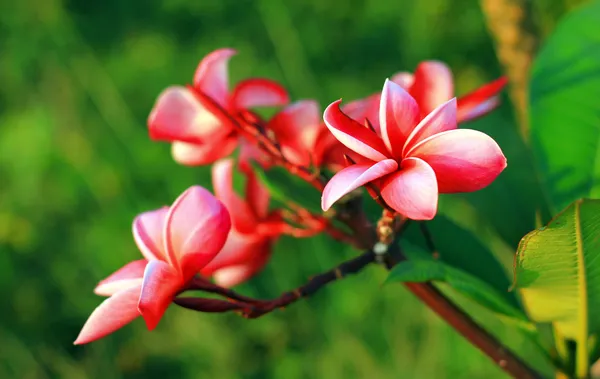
<point>254,308</point>
<point>464,324</point>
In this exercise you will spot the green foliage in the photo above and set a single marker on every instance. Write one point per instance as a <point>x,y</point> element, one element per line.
<point>424,270</point>
<point>558,274</point>
<point>76,166</point>
<point>565,111</point>
<point>461,248</point>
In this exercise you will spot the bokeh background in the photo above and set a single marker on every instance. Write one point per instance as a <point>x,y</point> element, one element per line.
<point>78,79</point>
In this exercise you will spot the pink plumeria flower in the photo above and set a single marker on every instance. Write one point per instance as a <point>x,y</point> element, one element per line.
<point>413,159</point>
<point>431,85</point>
<point>304,138</point>
<point>254,228</point>
<point>198,119</point>
<point>176,242</point>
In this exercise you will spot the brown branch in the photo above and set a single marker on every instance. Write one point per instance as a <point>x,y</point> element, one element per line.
<point>465,325</point>
<point>254,308</point>
<point>511,24</point>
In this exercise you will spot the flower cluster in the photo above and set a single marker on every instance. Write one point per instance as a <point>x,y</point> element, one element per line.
<point>402,143</point>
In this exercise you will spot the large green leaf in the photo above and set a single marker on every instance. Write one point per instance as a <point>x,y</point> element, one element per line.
<point>558,272</point>
<point>477,290</point>
<point>565,108</point>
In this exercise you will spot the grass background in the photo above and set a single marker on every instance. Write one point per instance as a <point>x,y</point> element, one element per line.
<point>76,165</point>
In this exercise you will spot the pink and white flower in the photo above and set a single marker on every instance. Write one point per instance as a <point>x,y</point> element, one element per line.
<point>431,85</point>
<point>199,120</point>
<point>412,158</point>
<point>304,138</point>
<point>176,242</point>
<point>254,227</point>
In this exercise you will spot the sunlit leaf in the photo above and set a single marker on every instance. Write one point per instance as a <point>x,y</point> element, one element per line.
<point>558,272</point>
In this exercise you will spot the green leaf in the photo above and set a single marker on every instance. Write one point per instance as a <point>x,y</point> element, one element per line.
<point>423,270</point>
<point>558,273</point>
<point>565,108</point>
<point>287,188</point>
<point>465,249</point>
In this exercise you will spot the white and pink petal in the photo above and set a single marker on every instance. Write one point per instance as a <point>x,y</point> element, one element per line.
<point>353,135</point>
<point>398,116</point>
<point>243,217</point>
<point>442,119</point>
<point>258,92</point>
<point>148,229</point>
<point>200,154</point>
<point>352,177</point>
<point>463,160</point>
<point>212,76</point>
<point>127,276</point>
<point>160,286</point>
<point>179,114</point>
<point>481,101</point>
<point>197,227</point>
<point>112,314</point>
<point>433,85</point>
<point>412,191</point>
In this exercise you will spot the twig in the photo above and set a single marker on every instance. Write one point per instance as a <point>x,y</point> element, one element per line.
<point>465,325</point>
<point>254,308</point>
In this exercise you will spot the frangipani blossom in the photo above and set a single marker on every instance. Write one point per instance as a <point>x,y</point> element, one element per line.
<point>254,228</point>
<point>304,138</point>
<point>412,159</point>
<point>176,242</point>
<point>431,85</point>
<point>198,119</point>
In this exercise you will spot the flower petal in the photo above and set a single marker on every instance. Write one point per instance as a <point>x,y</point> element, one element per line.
<point>404,79</point>
<point>189,154</point>
<point>250,251</point>
<point>181,115</point>
<point>242,216</point>
<point>398,115</point>
<point>481,101</point>
<point>463,160</point>
<point>115,312</point>
<point>127,276</point>
<point>249,153</point>
<point>296,128</point>
<point>233,275</point>
<point>148,228</point>
<point>161,284</point>
<point>433,85</point>
<point>443,118</point>
<point>412,191</point>
<point>257,196</point>
<point>364,109</point>
<point>259,92</point>
<point>197,227</point>
<point>353,177</point>
<point>354,135</point>
<point>212,75</point>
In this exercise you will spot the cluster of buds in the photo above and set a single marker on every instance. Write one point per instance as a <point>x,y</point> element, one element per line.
<point>402,144</point>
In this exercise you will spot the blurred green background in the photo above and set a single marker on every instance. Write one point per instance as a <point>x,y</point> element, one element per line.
<point>78,79</point>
